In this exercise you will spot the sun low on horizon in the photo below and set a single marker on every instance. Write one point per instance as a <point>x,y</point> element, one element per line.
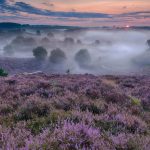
<point>78,13</point>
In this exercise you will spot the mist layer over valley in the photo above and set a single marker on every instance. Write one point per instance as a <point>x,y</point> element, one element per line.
<point>76,51</point>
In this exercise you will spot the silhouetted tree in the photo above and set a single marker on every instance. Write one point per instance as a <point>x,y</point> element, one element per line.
<point>40,53</point>
<point>45,40</point>
<point>50,34</point>
<point>148,42</point>
<point>79,41</point>
<point>8,49</point>
<point>38,32</point>
<point>57,56</point>
<point>97,42</point>
<point>69,40</point>
<point>83,57</point>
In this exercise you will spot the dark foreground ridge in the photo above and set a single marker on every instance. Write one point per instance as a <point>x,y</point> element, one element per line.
<point>39,111</point>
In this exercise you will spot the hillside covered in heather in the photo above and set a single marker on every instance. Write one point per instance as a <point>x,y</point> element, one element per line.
<point>72,112</point>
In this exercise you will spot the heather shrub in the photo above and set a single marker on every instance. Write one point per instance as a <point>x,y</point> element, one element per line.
<point>57,56</point>
<point>5,109</point>
<point>3,73</point>
<point>79,136</point>
<point>73,136</point>
<point>82,57</point>
<point>92,93</point>
<point>91,108</point>
<point>111,126</point>
<point>132,124</point>
<point>64,105</point>
<point>39,111</point>
<point>113,95</point>
<point>33,108</point>
<point>131,142</point>
<point>40,53</point>
<point>13,138</point>
<point>38,124</point>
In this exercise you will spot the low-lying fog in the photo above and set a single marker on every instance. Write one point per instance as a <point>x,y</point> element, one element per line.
<point>78,51</point>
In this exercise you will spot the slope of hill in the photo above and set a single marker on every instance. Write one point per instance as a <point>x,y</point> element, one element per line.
<point>41,111</point>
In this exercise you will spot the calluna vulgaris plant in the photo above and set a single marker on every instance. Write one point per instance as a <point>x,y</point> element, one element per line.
<point>74,112</point>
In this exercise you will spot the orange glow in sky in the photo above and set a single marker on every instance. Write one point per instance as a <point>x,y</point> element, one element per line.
<point>121,12</point>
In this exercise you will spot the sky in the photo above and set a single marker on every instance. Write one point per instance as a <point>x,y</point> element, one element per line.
<point>77,12</point>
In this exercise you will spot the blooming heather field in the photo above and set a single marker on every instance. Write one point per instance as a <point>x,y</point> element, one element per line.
<point>73,112</point>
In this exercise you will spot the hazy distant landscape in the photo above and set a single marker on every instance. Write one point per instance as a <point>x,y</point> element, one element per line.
<point>75,50</point>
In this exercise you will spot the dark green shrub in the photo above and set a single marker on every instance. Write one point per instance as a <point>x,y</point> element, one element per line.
<point>40,53</point>
<point>3,73</point>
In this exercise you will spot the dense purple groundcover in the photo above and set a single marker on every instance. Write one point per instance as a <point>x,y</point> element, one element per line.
<point>73,112</point>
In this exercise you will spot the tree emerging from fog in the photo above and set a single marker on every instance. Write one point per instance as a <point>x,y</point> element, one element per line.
<point>57,56</point>
<point>148,42</point>
<point>69,40</point>
<point>20,40</point>
<point>40,53</point>
<point>50,34</point>
<point>8,50</point>
<point>83,57</point>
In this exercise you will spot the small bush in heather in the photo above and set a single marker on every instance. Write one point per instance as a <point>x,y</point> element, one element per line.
<point>135,101</point>
<point>40,53</point>
<point>57,56</point>
<point>3,73</point>
<point>82,57</point>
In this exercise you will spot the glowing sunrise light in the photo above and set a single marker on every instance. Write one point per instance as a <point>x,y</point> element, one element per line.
<point>127,26</point>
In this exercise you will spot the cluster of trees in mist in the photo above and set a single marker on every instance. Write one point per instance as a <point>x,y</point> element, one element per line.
<point>82,57</point>
<point>89,50</point>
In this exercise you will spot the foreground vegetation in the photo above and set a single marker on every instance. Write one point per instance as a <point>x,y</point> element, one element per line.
<point>72,112</point>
